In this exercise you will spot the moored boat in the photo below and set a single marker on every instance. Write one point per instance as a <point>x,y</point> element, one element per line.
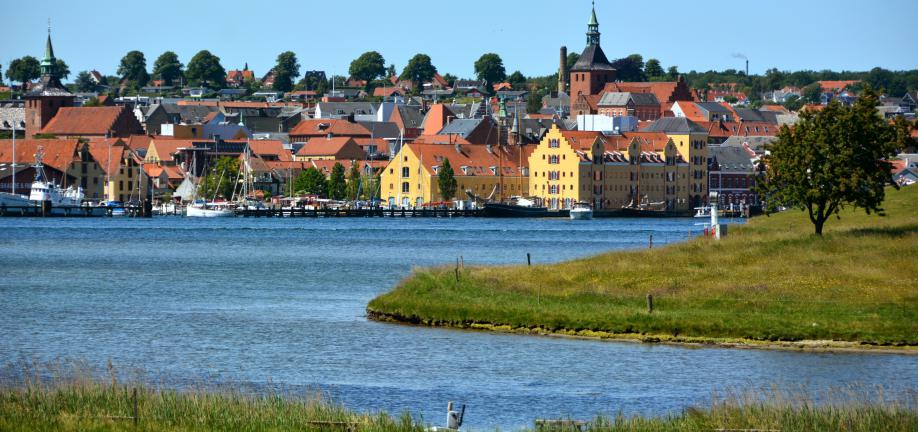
<point>581,211</point>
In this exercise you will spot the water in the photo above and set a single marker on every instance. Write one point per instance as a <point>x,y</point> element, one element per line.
<point>274,303</point>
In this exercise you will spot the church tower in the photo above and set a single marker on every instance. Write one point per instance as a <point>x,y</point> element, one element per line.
<point>593,70</point>
<point>46,97</point>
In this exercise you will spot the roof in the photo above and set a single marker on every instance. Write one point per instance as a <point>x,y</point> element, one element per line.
<point>408,117</point>
<point>320,127</point>
<point>381,129</point>
<point>139,142</point>
<point>622,98</point>
<point>11,116</point>
<point>674,125</point>
<point>461,127</point>
<point>732,157</point>
<point>57,153</point>
<point>83,120</point>
<point>108,153</point>
<point>436,117</point>
<point>477,159</point>
<point>387,91</point>
<point>346,108</point>
<point>592,58</point>
<point>756,143</point>
<point>828,86</point>
<point>325,146</point>
<point>663,90</point>
<point>262,148</point>
<point>713,107</point>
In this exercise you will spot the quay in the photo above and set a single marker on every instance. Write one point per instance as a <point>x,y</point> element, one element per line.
<point>73,212</point>
<point>367,212</point>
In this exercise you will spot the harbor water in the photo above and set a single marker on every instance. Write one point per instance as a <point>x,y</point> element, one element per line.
<point>279,304</point>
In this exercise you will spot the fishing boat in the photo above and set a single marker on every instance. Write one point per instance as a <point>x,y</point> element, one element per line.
<point>581,211</point>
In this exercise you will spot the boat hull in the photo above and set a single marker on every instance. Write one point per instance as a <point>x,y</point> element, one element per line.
<point>194,211</point>
<point>581,214</point>
<point>512,211</point>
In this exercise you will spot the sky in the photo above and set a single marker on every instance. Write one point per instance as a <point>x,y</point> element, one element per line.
<point>328,35</point>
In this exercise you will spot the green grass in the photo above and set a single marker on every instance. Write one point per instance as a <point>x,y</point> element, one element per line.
<point>771,280</point>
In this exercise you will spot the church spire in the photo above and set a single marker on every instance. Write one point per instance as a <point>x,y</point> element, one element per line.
<point>593,28</point>
<point>48,63</point>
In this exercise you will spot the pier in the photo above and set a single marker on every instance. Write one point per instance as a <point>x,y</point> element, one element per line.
<point>367,212</point>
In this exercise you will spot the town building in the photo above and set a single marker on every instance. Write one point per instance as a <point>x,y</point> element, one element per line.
<point>47,97</point>
<point>733,170</point>
<point>330,148</point>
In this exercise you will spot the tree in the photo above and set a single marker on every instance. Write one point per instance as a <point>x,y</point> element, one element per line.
<point>23,69</point>
<point>572,60</point>
<point>92,102</point>
<point>310,181</point>
<point>419,70</point>
<point>390,71</point>
<point>134,68</point>
<point>336,183</point>
<point>353,182</point>
<point>286,70</point>
<point>446,180</point>
<point>673,73</point>
<point>220,181</point>
<point>61,69</point>
<point>533,103</point>
<point>653,69</point>
<point>167,67</point>
<point>833,158</point>
<point>490,68</point>
<point>630,68</point>
<point>205,69</point>
<point>517,80</point>
<point>369,66</point>
<point>793,103</point>
<point>450,79</point>
<point>812,93</point>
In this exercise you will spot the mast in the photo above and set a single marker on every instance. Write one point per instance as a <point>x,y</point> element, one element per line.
<point>401,157</point>
<point>14,158</point>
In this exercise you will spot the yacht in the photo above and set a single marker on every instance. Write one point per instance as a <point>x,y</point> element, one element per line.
<point>581,211</point>
<point>202,208</point>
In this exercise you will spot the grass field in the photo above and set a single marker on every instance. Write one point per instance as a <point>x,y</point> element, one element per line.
<point>771,281</point>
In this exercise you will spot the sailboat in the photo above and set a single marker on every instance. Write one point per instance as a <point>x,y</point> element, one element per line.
<point>202,208</point>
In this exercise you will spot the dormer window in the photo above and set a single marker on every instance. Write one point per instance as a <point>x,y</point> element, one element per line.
<point>493,170</point>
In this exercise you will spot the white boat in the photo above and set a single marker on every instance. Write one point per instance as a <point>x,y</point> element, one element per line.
<point>705,212</point>
<point>63,201</point>
<point>581,211</point>
<point>15,200</point>
<point>206,209</point>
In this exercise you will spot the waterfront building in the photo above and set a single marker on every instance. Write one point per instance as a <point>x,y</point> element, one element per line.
<point>691,141</point>
<point>67,162</point>
<point>411,178</point>
<point>121,177</point>
<point>733,170</point>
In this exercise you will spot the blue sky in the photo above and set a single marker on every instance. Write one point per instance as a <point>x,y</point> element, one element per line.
<point>789,35</point>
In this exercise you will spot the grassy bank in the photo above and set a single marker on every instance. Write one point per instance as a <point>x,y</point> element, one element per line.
<point>771,281</point>
<point>93,406</point>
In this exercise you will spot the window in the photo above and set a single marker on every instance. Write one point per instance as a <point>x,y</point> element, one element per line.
<point>406,172</point>
<point>405,187</point>
<point>553,143</point>
<point>553,159</point>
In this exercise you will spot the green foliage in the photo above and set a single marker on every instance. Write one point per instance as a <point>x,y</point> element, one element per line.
<point>446,180</point>
<point>205,69</point>
<point>833,158</point>
<point>286,71</point>
<point>793,103</point>
<point>533,103</point>
<point>353,181</point>
<point>168,68</point>
<point>220,181</point>
<point>450,79</point>
<point>517,80</point>
<point>133,67</point>
<point>811,93</point>
<point>369,66</point>
<point>313,81</point>
<point>419,70</point>
<point>652,69</point>
<point>391,71</point>
<point>673,73</point>
<point>630,68</point>
<point>768,280</point>
<point>84,82</point>
<point>311,181</point>
<point>24,69</point>
<point>61,69</point>
<point>572,60</point>
<point>490,68</point>
<point>730,99</point>
<point>337,186</point>
<point>92,102</point>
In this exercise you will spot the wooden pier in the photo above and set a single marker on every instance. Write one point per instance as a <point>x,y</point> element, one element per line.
<point>356,213</point>
<point>69,212</point>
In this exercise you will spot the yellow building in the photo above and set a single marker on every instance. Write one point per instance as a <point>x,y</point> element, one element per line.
<point>122,177</point>
<point>609,172</point>
<point>691,142</point>
<point>496,172</point>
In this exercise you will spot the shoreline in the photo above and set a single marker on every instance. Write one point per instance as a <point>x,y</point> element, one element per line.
<point>807,346</point>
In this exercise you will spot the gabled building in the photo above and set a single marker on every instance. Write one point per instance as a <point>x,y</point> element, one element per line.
<point>45,99</point>
<point>733,171</point>
<point>330,148</point>
<point>85,122</point>
<point>314,128</point>
<point>123,178</point>
<point>644,106</point>
<point>592,71</point>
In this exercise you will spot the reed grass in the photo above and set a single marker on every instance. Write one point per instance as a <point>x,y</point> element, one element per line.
<point>770,280</point>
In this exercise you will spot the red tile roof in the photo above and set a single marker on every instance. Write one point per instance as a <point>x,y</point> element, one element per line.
<point>335,146</point>
<point>436,118</point>
<point>57,153</point>
<point>275,148</point>
<point>84,121</point>
<point>139,142</point>
<point>691,111</point>
<point>321,127</point>
<point>108,153</point>
<point>835,86</point>
<point>662,90</point>
<point>477,158</point>
<point>387,91</point>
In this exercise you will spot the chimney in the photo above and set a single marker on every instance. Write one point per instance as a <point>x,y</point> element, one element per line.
<point>747,67</point>
<point>562,71</point>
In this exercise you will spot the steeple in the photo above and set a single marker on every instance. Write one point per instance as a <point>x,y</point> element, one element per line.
<point>593,28</point>
<point>49,62</point>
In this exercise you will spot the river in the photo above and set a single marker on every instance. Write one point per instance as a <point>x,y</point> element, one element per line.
<point>279,303</point>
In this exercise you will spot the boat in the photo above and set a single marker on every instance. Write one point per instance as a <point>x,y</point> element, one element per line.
<point>581,211</point>
<point>115,208</point>
<point>203,208</point>
<point>705,212</point>
<point>517,207</point>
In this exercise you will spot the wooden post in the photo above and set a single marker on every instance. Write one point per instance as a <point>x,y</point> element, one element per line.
<point>649,303</point>
<point>461,262</point>
<point>136,411</point>
<point>528,259</point>
<point>457,269</point>
<point>651,242</point>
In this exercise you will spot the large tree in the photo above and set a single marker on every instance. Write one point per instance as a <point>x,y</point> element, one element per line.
<point>61,69</point>
<point>353,181</point>
<point>337,186</point>
<point>369,66</point>
<point>812,93</point>
<point>24,69</point>
<point>833,158</point>
<point>133,67</point>
<point>167,68</point>
<point>446,180</point>
<point>490,68</point>
<point>205,69</point>
<point>84,82</point>
<point>630,68</point>
<point>572,60</point>
<point>419,70</point>
<point>517,80</point>
<point>653,69</point>
<point>311,181</point>
<point>286,71</point>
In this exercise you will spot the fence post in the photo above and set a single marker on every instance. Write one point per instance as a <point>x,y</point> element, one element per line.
<point>136,411</point>
<point>649,303</point>
<point>528,259</point>
<point>651,242</point>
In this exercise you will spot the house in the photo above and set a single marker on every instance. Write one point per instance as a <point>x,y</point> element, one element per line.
<point>644,106</point>
<point>409,120</point>
<point>474,131</point>
<point>67,162</point>
<point>410,179</point>
<point>338,110</point>
<point>330,148</point>
<point>610,172</point>
<point>388,92</point>
<point>703,111</point>
<point>732,173</point>
<point>690,140</point>
<point>124,180</point>
<point>237,78</point>
<point>313,128</point>
<point>835,87</point>
<point>76,122</point>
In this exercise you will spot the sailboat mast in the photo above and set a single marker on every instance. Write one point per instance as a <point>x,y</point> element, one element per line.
<point>14,158</point>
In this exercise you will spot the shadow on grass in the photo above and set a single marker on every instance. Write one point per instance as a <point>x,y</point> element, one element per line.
<point>886,231</point>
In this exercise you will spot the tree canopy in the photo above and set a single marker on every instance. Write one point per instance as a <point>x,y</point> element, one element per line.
<point>446,180</point>
<point>630,68</point>
<point>286,71</point>
<point>205,69</point>
<point>84,82</point>
<point>833,158</point>
<point>369,66</point>
<point>653,69</point>
<point>337,186</point>
<point>133,67</point>
<point>220,180</point>
<point>61,69</point>
<point>517,80</point>
<point>311,181</point>
<point>168,68</point>
<point>419,70</point>
<point>353,181</point>
<point>490,68</point>
<point>24,69</point>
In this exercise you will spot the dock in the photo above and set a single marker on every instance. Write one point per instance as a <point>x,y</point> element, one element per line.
<point>68,212</point>
<point>358,213</point>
